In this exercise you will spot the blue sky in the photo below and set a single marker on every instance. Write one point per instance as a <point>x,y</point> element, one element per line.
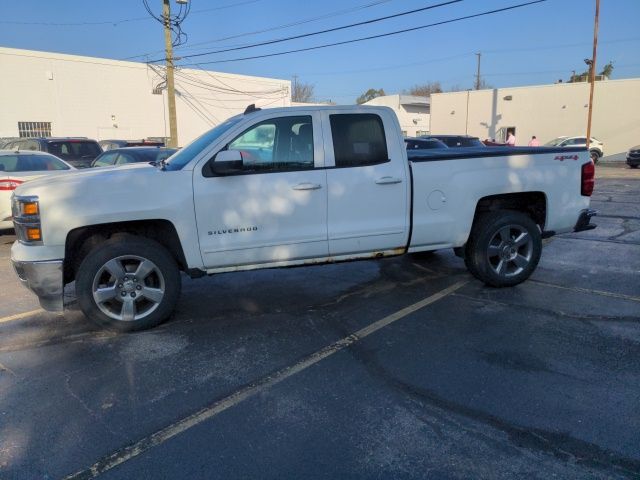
<point>533,45</point>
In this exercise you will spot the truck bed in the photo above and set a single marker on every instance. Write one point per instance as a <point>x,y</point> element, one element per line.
<point>448,185</point>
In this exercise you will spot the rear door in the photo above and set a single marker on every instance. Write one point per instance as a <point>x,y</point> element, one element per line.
<point>367,175</point>
<point>275,209</point>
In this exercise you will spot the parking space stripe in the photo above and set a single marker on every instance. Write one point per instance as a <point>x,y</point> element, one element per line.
<point>133,450</point>
<point>18,316</point>
<point>588,290</point>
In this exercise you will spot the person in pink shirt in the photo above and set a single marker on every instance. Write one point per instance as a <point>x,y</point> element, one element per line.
<point>534,142</point>
<point>511,139</point>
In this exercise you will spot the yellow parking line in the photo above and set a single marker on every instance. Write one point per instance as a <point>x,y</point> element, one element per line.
<point>18,316</point>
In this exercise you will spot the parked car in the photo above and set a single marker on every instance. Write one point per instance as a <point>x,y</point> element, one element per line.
<point>351,191</point>
<point>19,167</point>
<point>123,156</point>
<point>111,144</point>
<point>77,151</point>
<point>456,140</point>
<point>633,156</point>
<point>423,143</point>
<point>596,147</point>
<point>6,141</point>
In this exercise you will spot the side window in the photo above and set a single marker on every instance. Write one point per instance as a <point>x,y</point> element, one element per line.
<point>277,144</point>
<point>31,145</point>
<point>358,139</point>
<point>37,163</point>
<point>105,160</point>
<point>124,158</point>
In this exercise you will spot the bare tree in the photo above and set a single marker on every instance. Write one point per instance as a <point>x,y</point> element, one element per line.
<point>607,70</point>
<point>302,91</point>
<point>370,95</point>
<point>425,89</point>
<point>484,85</point>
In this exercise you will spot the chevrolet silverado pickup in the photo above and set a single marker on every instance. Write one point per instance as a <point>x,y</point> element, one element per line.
<point>284,187</point>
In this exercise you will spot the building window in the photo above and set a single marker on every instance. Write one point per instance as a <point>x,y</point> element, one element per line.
<point>422,132</point>
<point>34,129</point>
<point>404,133</point>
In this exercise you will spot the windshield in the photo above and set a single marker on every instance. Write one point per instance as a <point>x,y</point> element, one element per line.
<point>188,153</point>
<point>555,142</point>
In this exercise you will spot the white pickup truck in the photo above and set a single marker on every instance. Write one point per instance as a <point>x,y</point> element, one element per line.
<point>282,187</point>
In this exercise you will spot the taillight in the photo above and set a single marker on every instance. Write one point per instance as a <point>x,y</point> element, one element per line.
<point>588,179</point>
<point>9,184</point>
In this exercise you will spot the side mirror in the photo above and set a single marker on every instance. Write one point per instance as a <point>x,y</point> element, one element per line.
<point>226,162</point>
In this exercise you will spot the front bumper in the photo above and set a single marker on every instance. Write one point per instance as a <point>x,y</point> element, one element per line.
<point>584,221</point>
<point>44,278</point>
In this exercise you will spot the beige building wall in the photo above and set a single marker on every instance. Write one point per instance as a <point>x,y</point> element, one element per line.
<point>101,99</point>
<point>412,112</point>
<point>547,111</point>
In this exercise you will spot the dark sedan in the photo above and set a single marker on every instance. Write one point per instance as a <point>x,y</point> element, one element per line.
<point>633,157</point>
<point>457,140</point>
<point>423,143</point>
<point>124,156</point>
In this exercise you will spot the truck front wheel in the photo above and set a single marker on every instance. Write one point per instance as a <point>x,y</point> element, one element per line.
<point>504,248</point>
<point>128,283</point>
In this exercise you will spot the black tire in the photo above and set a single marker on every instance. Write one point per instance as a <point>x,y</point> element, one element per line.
<point>497,253</point>
<point>153,295</point>
<point>595,156</point>
<point>633,166</point>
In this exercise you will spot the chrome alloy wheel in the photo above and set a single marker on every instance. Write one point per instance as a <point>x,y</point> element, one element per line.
<point>510,250</point>
<point>128,288</point>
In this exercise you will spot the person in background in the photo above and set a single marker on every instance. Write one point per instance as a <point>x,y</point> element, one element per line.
<point>511,139</point>
<point>534,142</point>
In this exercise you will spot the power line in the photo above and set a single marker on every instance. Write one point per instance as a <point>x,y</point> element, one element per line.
<point>334,13</point>
<point>292,24</point>
<point>226,89</point>
<point>328,30</point>
<point>118,22</point>
<point>371,37</point>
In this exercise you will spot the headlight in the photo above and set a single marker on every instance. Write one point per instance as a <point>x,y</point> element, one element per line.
<point>26,219</point>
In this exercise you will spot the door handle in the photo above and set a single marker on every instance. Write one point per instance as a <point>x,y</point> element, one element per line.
<point>388,180</point>
<point>307,186</point>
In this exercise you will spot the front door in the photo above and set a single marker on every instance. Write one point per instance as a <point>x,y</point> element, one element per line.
<point>368,190</point>
<point>275,210</point>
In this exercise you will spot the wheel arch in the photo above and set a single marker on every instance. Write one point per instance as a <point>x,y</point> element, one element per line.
<point>80,241</point>
<point>532,203</point>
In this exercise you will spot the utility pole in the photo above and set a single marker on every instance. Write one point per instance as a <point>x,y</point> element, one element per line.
<point>478,74</point>
<point>171,87</point>
<point>592,71</point>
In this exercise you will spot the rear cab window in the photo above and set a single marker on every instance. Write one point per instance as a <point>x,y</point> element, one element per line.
<point>30,163</point>
<point>358,139</point>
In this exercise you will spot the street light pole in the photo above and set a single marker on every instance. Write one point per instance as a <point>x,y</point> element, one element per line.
<point>171,88</point>
<point>592,71</point>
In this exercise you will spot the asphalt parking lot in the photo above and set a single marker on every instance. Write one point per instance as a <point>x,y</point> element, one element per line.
<point>400,368</point>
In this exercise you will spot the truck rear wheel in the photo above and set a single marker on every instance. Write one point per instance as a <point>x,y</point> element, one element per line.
<point>504,248</point>
<point>128,283</point>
